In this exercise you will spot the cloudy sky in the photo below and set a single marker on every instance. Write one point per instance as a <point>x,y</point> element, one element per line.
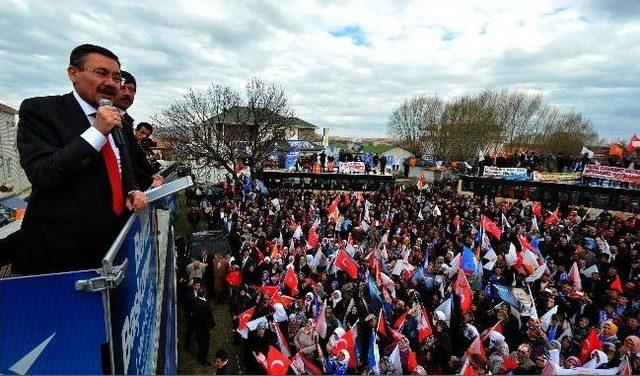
<point>344,65</point>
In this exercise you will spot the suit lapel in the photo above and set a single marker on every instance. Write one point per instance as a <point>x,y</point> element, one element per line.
<point>78,121</point>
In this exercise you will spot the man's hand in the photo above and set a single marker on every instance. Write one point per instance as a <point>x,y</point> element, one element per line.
<point>107,118</point>
<point>158,180</point>
<point>136,200</point>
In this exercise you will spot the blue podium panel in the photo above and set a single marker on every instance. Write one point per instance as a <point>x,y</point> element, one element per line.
<point>47,327</point>
<point>133,302</point>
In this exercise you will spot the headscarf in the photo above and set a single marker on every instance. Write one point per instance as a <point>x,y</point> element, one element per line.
<point>334,300</point>
<point>280,314</point>
<point>344,352</point>
<point>636,342</point>
<point>599,359</point>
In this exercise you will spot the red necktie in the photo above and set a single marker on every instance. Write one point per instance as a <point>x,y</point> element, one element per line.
<point>117,199</point>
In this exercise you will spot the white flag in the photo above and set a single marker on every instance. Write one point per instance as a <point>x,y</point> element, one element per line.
<point>537,273</point>
<point>298,233</point>
<point>445,308</point>
<point>276,204</point>
<point>545,320</point>
<point>588,272</point>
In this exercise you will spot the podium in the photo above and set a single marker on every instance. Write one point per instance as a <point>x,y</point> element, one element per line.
<point>119,318</point>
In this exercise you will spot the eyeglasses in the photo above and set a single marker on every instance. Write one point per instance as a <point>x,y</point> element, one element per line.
<point>103,73</point>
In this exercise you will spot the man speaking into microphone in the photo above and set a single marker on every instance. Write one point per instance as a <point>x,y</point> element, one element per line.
<point>82,181</point>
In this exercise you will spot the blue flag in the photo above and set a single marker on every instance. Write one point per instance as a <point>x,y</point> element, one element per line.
<point>373,357</point>
<point>374,293</point>
<point>468,261</point>
<point>590,243</point>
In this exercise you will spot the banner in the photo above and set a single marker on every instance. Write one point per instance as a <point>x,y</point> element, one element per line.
<point>556,176</point>
<point>515,173</point>
<point>290,160</point>
<point>352,167</point>
<point>47,327</point>
<point>134,301</point>
<point>612,173</point>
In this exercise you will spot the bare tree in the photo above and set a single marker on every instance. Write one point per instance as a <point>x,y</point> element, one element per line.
<point>409,123</point>
<point>214,128</point>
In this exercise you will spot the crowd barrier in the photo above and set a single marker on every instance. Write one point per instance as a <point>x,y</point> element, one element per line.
<point>117,319</point>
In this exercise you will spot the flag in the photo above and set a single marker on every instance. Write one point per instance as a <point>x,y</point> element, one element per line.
<point>400,320</point>
<point>374,294</point>
<point>466,369</point>
<point>615,149</point>
<point>276,204</point>
<point>285,300</point>
<point>243,319</point>
<point>624,368</point>
<point>253,324</point>
<point>277,363</point>
<point>321,321</point>
<point>301,365</point>
<point>234,278</point>
<point>345,263</point>
<point>506,294</point>
<point>545,320</point>
<point>282,341</point>
<point>476,347</point>
<point>524,243</point>
<point>445,308</point>
<point>495,328</point>
<point>511,257</point>
<point>574,277</point>
<point>534,224</point>
<point>553,218</point>
<point>588,272</point>
<point>536,209</point>
<point>396,361</point>
<point>312,238</point>
<point>455,265</point>
<point>347,341</point>
<point>333,207</point>
<point>381,326</point>
<point>463,290</point>
<point>268,290</point>
<point>490,227</point>
<point>436,211</point>
<point>412,362</point>
<point>537,273</point>
<point>291,280</point>
<point>373,356</point>
<point>297,233</point>
<point>505,221</point>
<point>424,326</point>
<point>616,285</point>
<point>468,261</point>
<point>592,342</point>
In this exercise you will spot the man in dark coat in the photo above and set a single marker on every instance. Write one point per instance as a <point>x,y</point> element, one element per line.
<point>204,322</point>
<point>82,181</point>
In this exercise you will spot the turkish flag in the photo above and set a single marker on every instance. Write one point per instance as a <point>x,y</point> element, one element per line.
<point>269,290</point>
<point>476,348</point>
<point>536,209</point>
<point>524,243</point>
<point>332,210</point>
<point>490,227</point>
<point>400,320</point>
<point>424,326</point>
<point>616,285</point>
<point>234,278</point>
<point>285,300</point>
<point>592,342</point>
<point>347,341</point>
<point>277,363</point>
<point>412,362</point>
<point>463,290</point>
<point>553,218</point>
<point>291,281</point>
<point>345,263</point>
<point>381,326</point>
<point>312,238</point>
<point>245,317</point>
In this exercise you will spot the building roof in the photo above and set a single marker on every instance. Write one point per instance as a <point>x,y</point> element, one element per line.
<point>242,114</point>
<point>8,109</point>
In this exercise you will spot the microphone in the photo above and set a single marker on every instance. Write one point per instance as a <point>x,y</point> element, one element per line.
<point>115,132</point>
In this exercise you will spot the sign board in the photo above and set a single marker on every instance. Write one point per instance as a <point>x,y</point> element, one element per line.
<point>556,176</point>
<point>133,302</point>
<point>351,167</point>
<point>516,173</point>
<point>47,327</point>
<point>612,173</point>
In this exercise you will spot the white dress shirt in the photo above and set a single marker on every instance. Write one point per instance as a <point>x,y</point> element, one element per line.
<point>92,135</point>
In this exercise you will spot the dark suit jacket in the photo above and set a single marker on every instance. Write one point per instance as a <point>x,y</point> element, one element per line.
<point>203,317</point>
<point>69,223</point>
<point>142,168</point>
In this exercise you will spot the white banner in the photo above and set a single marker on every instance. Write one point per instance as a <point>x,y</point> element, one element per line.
<point>491,171</point>
<point>352,167</point>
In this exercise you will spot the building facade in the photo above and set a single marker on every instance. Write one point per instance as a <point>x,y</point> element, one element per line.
<point>13,180</point>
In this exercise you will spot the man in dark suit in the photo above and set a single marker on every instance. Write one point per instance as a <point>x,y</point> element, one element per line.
<point>204,322</point>
<point>145,173</point>
<point>82,183</point>
<point>224,364</point>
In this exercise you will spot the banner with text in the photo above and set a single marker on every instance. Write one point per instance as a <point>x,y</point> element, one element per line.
<point>556,176</point>
<point>515,173</point>
<point>352,167</point>
<point>612,173</point>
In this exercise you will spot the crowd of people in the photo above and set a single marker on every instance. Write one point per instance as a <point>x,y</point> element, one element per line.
<point>427,282</point>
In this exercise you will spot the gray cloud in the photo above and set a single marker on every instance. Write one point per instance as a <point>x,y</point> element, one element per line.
<point>580,55</point>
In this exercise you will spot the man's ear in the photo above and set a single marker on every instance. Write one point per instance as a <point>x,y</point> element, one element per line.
<point>72,73</point>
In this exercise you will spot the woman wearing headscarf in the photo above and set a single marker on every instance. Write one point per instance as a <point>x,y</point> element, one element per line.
<point>630,346</point>
<point>609,332</point>
<point>337,365</point>
<point>337,303</point>
<point>333,340</point>
<point>598,358</point>
<point>499,351</point>
<point>306,339</point>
